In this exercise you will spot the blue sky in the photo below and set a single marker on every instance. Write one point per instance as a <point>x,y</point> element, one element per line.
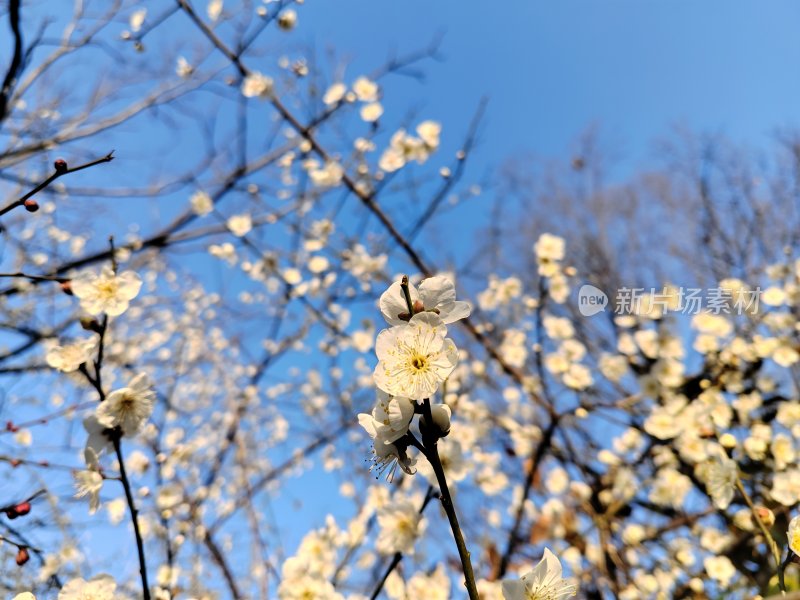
<point>550,69</point>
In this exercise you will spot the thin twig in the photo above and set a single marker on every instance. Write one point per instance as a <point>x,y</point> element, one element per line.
<point>16,60</point>
<point>56,174</point>
<point>432,454</point>
<point>116,440</point>
<point>768,539</point>
<point>126,484</point>
<point>36,277</point>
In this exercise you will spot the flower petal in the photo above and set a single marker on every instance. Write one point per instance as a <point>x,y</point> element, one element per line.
<point>393,303</point>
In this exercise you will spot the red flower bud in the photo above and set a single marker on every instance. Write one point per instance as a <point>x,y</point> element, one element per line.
<point>12,513</point>
<point>60,165</point>
<point>23,556</point>
<point>31,205</point>
<point>23,508</point>
<point>11,428</point>
<point>66,287</point>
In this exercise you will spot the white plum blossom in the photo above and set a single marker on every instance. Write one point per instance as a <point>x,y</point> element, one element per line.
<point>719,568</point>
<point>328,175</point>
<point>389,419</point>
<point>433,586</point>
<point>97,442</point>
<point>23,437</point>
<point>101,587</point>
<point>401,525</point>
<point>214,9</point>
<point>306,575</point>
<point>201,203</point>
<point>371,112</point>
<point>182,68</point>
<point>386,455</point>
<point>106,292</point>
<point>437,294</point>
<point>70,357</point>
<point>721,475</point>
<point>500,292</point>
<point>793,535</point>
<point>549,246</point>
<point>129,407</point>
<point>89,482</point>
<point>549,251</point>
<point>429,132</point>
<point>137,19</point>
<point>240,225</point>
<point>366,90</point>
<point>544,582</point>
<point>456,466</point>
<point>334,93</point>
<point>361,263</point>
<point>257,85</point>
<point>308,586</point>
<point>414,358</point>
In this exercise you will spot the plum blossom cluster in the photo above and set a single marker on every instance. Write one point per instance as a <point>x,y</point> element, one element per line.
<point>415,358</point>
<point>364,90</point>
<point>100,587</point>
<point>121,413</point>
<point>404,148</point>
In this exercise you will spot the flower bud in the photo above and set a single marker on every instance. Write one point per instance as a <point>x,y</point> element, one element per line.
<point>23,556</point>
<point>23,508</point>
<point>766,515</point>
<point>31,205</point>
<point>66,287</point>
<point>287,20</point>
<point>60,165</point>
<point>90,324</point>
<point>441,421</point>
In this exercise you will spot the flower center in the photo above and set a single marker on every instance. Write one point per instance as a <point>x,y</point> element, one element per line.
<point>419,362</point>
<point>406,527</point>
<point>795,541</point>
<point>107,288</point>
<point>127,403</point>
